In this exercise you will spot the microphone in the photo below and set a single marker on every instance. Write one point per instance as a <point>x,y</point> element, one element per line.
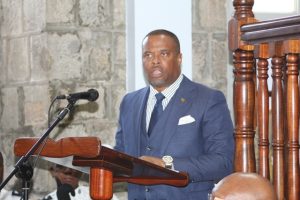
<point>90,95</point>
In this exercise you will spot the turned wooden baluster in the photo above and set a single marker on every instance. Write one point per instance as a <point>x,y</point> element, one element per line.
<point>263,117</point>
<point>101,184</point>
<point>278,126</point>
<point>244,97</point>
<point>292,126</point>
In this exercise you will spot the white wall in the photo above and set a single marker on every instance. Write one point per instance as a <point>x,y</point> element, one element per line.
<point>144,16</point>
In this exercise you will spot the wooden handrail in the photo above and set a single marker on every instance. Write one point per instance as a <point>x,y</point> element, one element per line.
<point>273,23</point>
<point>275,30</point>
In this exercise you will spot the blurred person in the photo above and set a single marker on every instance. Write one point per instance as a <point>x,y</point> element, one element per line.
<point>246,186</point>
<point>67,181</point>
<point>68,187</point>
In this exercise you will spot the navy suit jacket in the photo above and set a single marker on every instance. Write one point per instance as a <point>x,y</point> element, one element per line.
<point>202,146</point>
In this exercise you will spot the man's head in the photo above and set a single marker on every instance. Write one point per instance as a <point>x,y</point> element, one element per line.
<point>246,186</point>
<point>65,175</point>
<point>161,58</point>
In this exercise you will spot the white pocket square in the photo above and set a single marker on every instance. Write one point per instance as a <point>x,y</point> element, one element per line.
<point>186,120</point>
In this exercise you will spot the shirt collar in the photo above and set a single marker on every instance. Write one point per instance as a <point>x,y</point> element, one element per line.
<point>169,91</point>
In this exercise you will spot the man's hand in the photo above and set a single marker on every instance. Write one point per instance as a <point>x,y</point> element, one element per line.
<point>63,192</point>
<point>154,160</point>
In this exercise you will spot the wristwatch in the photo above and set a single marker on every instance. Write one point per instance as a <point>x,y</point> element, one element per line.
<point>168,160</point>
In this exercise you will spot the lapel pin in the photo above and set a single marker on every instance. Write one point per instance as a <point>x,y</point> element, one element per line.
<point>183,100</point>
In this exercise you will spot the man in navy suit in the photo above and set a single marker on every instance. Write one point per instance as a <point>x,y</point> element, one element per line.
<point>194,133</point>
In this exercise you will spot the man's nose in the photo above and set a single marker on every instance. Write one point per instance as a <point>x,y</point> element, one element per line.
<point>156,59</point>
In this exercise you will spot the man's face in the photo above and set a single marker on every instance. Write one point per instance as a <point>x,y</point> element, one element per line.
<point>161,61</point>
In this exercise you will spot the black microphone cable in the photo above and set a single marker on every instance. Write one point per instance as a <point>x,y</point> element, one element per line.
<point>35,161</point>
<point>49,110</point>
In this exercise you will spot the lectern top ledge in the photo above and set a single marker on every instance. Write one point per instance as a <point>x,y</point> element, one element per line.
<point>106,165</point>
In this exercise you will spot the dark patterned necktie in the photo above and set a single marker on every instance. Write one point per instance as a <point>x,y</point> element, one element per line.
<point>157,111</point>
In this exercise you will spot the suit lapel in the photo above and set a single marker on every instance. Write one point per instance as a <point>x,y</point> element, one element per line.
<point>177,107</point>
<point>140,129</point>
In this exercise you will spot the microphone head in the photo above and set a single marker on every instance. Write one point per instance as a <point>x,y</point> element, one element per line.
<point>93,95</point>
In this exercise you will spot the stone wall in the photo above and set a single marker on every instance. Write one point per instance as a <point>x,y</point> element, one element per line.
<point>52,47</point>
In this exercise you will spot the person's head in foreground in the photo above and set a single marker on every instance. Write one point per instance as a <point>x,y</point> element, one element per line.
<point>243,186</point>
<point>67,180</point>
<point>65,175</point>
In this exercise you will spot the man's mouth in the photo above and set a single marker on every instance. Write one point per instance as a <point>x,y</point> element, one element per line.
<point>156,73</point>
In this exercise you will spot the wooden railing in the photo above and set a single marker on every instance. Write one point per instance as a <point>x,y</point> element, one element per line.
<point>268,116</point>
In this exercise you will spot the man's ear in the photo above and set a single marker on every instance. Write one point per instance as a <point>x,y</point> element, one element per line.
<point>179,58</point>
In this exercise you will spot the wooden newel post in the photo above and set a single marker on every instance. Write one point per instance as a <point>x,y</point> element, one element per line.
<point>101,184</point>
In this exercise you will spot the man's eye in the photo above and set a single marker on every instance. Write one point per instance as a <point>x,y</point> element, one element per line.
<point>148,55</point>
<point>164,54</point>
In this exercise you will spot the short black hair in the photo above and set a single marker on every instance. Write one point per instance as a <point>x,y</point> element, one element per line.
<point>167,33</point>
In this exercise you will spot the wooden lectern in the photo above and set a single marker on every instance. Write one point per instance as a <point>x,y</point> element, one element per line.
<point>107,166</point>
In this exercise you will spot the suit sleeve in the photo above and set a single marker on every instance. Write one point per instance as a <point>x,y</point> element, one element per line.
<point>119,146</point>
<point>216,161</point>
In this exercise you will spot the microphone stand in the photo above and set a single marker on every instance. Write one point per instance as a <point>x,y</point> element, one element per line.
<point>25,173</point>
<point>19,167</point>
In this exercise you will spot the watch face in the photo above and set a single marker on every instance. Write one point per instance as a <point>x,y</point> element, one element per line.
<point>167,159</point>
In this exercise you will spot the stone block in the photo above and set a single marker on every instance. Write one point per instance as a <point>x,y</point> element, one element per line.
<point>103,129</point>
<point>219,62</point>
<point>196,16</point>
<point>64,50</point>
<point>95,13</point>
<point>10,116</point>
<point>211,14</point>
<point>100,64</point>
<point>3,57</point>
<point>119,48</point>
<point>201,52</point>
<point>36,104</point>
<point>117,94</point>
<point>60,87</point>
<point>119,17</point>
<point>11,24</point>
<point>97,54</point>
<point>118,73</point>
<point>69,128</point>
<point>40,58</point>
<point>60,11</point>
<point>34,15</point>
<point>18,68</point>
